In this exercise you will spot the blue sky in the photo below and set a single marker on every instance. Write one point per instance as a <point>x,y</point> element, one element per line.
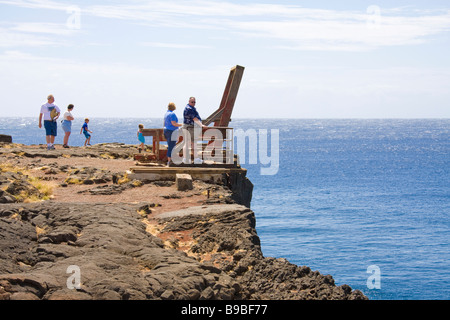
<point>303,59</point>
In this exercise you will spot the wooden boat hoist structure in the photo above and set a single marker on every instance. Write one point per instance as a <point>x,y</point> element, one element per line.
<point>152,165</point>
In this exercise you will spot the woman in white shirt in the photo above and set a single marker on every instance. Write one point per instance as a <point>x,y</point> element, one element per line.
<point>67,124</point>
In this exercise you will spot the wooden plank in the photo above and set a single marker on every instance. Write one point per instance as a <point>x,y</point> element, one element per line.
<point>174,170</point>
<point>222,116</point>
<point>213,117</point>
<point>203,165</point>
<point>231,95</point>
<point>156,143</point>
<point>154,132</point>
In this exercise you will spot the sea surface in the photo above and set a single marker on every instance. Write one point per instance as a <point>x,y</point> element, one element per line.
<point>366,201</point>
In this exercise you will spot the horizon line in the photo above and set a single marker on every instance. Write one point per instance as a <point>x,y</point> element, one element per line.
<point>293,118</point>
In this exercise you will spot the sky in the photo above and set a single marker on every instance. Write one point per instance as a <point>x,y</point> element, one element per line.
<point>302,59</point>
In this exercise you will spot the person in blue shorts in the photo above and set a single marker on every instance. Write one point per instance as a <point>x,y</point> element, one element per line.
<point>67,124</point>
<point>85,130</point>
<point>141,137</point>
<point>50,112</point>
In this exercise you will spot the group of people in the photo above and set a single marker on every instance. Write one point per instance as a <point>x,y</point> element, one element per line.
<point>191,118</point>
<point>50,113</point>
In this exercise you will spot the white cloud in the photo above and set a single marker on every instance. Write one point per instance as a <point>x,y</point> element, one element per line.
<point>37,4</point>
<point>174,45</point>
<point>114,90</point>
<point>341,92</point>
<point>43,27</point>
<point>105,89</point>
<point>349,32</point>
<point>289,26</point>
<point>28,34</point>
<point>12,39</point>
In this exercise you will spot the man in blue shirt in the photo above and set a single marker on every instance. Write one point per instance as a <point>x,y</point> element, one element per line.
<point>190,114</point>
<point>191,119</point>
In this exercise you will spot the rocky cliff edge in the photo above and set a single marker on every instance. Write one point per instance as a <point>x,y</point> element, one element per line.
<point>115,239</point>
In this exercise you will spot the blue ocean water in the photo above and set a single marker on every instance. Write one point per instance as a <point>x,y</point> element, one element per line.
<point>348,195</point>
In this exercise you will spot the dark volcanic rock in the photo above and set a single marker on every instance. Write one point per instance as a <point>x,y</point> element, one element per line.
<point>225,238</point>
<point>5,138</point>
<point>15,187</point>
<point>6,197</point>
<point>116,257</point>
<point>103,150</point>
<point>241,188</point>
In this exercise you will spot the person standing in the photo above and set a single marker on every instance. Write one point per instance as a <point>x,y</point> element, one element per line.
<point>50,113</point>
<point>85,130</point>
<point>141,138</point>
<point>67,124</point>
<point>190,122</point>
<point>171,126</point>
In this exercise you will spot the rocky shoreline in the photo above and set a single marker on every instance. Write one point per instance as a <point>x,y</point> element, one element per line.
<point>133,240</point>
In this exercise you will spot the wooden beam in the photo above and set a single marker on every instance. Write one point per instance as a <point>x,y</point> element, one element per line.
<point>229,96</point>
<point>213,117</point>
<point>222,116</point>
<point>173,170</point>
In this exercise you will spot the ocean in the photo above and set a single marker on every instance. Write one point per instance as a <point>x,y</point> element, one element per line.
<point>366,201</point>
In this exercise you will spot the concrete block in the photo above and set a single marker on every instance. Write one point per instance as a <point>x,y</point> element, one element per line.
<point>184,182</point>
